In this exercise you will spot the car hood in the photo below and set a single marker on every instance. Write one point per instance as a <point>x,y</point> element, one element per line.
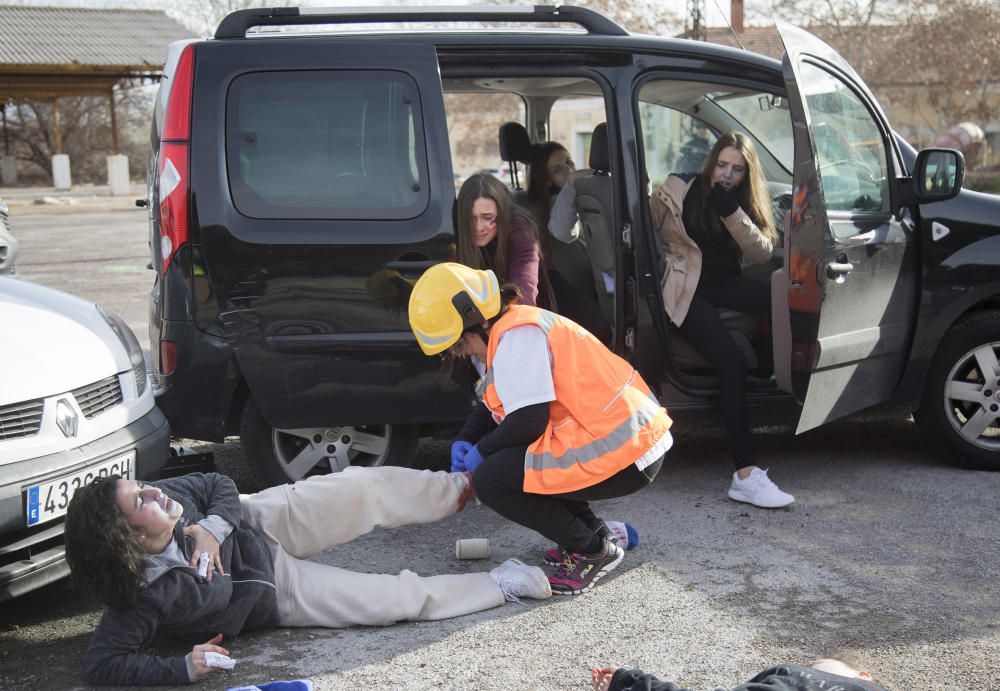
<point>52,342</point>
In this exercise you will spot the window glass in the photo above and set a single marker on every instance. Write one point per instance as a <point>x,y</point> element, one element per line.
<point>326,144</point>
<point>673,142</point>
<point>768,119</point>
<point>474,121</point>
<point>850,151</point>
<point>571,123</point>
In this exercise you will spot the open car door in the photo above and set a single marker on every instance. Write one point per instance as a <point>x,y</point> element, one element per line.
<point>849,276</point>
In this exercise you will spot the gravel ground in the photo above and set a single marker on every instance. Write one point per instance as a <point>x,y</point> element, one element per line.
<point>888,554</point>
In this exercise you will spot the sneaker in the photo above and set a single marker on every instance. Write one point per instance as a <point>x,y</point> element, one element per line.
<point>579,572</point>
<point>516,579</point>
<point>758,490</point>
<point>557,555</point>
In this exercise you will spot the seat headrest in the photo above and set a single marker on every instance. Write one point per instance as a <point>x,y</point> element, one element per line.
<point>515,145</point>
<point>600,153</point>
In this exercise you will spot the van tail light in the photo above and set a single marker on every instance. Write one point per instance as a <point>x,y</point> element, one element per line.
<point>175,169</point>
<point>168,357</point>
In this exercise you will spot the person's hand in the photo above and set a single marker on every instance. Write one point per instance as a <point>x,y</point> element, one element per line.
<point>472,459</point>
<point>197,658</point>
<point>459,450</point>
<point>204,541</point>
<point>601,676</point>
<point>724,201</point>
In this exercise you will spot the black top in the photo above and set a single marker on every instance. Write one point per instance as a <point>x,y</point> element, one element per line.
<point>780,678</point>
<point>720,258</point>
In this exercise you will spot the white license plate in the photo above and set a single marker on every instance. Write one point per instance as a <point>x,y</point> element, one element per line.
<point>50,499</point>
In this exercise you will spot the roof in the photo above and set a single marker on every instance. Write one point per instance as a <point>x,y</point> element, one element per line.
<point>74,38</point>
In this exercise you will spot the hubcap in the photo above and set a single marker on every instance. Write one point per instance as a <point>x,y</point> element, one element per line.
<point>972,395</point>
<point>319,450</point>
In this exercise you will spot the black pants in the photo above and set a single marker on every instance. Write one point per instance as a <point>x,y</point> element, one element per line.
<point>574,305</point>
<point>704,330</point>
<point>565,519</point>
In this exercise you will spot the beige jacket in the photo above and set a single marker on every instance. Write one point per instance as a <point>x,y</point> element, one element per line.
<point>682,254</point>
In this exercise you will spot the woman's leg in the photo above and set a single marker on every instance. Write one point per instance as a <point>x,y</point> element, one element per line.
<point>704,330</point>
<point>326,510</point>
<point>312,594</point>
<point>499,483</point>
<point>743,293</point>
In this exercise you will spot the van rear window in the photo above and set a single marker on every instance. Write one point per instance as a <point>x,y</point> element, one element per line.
<point>326,144</point>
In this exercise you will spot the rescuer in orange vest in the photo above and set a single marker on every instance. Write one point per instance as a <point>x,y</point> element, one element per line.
<point>563,420</point>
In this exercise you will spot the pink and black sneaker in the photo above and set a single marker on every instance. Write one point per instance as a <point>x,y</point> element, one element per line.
<point>624,534</point>
<point>579,572</point>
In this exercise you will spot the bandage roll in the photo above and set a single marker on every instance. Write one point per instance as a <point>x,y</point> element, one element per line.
<point>475,548</point>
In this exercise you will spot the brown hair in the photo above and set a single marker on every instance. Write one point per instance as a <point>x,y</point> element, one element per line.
<point>540,182</point>
<point>103,557</point>
<point>753,194</point>
<point>484,186</point>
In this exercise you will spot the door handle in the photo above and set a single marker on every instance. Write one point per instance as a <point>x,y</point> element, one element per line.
<point>839,269</point>
<point>411,266</point>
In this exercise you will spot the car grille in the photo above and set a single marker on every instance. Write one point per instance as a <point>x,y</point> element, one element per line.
<point>20,419</point>
<point>95,398</point>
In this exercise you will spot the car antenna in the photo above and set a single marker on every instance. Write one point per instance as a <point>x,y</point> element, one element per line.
<point>729,23</point>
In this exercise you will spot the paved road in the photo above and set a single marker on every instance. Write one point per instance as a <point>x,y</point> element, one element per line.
<point>887,553</point>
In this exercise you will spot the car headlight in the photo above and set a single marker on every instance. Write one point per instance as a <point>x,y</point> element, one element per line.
<point>131,345</point>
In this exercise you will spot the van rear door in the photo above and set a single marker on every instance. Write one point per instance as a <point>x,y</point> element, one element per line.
<point>322,187</point>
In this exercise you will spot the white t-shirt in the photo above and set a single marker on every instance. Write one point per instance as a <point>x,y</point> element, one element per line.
<point>522,368</point>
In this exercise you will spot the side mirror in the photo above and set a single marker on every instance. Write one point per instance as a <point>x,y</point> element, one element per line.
<point>938,174</point>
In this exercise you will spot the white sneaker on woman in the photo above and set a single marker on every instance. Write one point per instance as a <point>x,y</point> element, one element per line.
<point>516,579</point>
<point>758,490</point>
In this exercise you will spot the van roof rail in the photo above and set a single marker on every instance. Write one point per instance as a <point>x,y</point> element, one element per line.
<point>236,24</point>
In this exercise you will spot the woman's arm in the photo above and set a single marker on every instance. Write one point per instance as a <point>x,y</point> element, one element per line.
<point>520,428</point>
<point>754,245</point>
<point>522,266</point>
<point>214,494</point>
<point>113,656</point>
<point>563,217</point>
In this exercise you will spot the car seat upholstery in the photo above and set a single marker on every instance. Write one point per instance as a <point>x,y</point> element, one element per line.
<point>515,147</point>
<point>594,207</point>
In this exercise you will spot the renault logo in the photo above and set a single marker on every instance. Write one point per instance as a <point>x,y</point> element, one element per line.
<point>67,418</point>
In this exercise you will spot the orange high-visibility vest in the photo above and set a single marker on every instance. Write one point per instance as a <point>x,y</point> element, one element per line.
<point>604,417</point>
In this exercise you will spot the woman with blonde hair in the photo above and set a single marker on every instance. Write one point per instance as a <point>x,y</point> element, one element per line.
<point>709,225</point>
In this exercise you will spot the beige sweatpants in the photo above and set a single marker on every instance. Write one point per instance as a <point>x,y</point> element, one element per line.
<point>312,515</point>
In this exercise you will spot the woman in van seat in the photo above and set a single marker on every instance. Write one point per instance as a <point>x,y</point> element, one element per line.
<point>139,548</point>
<point>708,225</point>
<point>552,201</point>
<point>562,420</point>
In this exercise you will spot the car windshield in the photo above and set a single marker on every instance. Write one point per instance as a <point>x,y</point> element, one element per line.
<point>766,118</point>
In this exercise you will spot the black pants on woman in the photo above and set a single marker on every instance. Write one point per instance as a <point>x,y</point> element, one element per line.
<point>566,519</point>
<point>703,329</point>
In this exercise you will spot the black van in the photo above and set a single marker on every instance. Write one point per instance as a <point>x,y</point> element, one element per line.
<point>301,181</point>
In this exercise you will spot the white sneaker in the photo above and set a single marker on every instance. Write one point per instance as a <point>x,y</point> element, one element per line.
<point>516,579</point>
<point>758,490</point>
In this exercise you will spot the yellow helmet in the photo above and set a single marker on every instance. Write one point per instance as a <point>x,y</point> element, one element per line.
<point>447,299</point>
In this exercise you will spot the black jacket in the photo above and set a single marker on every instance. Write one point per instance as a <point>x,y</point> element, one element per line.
<point>780,678</point>
<point>180,602</point>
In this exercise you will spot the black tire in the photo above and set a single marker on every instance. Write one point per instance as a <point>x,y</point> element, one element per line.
<point>281,456</point>
<point>960,411</point>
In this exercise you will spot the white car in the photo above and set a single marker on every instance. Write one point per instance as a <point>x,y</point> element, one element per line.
<point>75,403</point>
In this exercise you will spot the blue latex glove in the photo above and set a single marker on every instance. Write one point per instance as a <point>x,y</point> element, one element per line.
<point>472,459</point>
<point>459,450</point>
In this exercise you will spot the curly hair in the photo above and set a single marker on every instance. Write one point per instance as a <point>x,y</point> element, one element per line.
<point>103,557</point>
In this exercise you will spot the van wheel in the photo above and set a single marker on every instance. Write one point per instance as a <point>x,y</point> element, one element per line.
<point>279,456</point>
<point>960,411</point>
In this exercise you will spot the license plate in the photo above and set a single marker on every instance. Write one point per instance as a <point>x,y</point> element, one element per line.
<point>50,499</point>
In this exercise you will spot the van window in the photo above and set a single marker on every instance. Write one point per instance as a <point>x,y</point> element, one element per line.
<point>673,142</point>
<point>850,151</point>
<point>326,145</point>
